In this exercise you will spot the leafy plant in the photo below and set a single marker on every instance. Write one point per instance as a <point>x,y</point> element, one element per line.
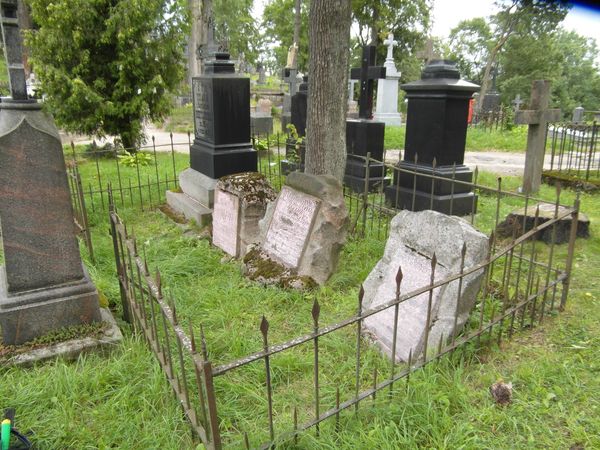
<point>293,151</point>
<point>136,159</point>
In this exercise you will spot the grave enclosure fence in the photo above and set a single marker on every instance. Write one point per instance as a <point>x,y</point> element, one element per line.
<point>573,150</point>
<point>524,282</point>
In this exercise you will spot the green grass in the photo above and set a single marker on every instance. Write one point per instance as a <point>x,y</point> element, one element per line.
<point>123,400</point>
<point>478,139</point>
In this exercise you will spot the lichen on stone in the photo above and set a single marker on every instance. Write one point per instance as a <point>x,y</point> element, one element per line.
<point>250,187</point>
<point>259,267</point>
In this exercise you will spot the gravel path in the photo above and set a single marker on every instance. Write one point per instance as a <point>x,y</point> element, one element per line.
<point>497,162</point>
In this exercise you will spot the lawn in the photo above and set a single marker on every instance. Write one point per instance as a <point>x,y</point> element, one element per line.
<point>122,400</point>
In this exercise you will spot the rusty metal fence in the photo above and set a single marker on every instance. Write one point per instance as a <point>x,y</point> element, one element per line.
<point>524,282</point>
<point>573,149</point>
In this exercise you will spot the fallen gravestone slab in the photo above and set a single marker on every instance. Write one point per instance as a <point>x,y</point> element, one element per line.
<point>302,232</point>
<point>413,240</point>
<point>520,221</point>
<point>240,202</point>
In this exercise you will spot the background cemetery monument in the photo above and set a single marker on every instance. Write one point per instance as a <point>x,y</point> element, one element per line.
<point>43,286</point>
<point>221,136</point>
<point>436,131</point>
<point>387,89</point>
<point>364,135</point>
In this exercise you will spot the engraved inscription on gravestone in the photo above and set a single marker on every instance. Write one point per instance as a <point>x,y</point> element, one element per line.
<point>203,110</point>
<point>290,226</point>
<point>225,222</point>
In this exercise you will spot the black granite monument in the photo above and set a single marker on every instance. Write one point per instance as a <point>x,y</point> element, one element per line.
<point>43,285</point>
<point>222,120</point>
<point>436,129</point>
<point>364,135</point>
<point>491,100</point>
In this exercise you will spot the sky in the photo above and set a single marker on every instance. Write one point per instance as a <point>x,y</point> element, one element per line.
<point>448,13</point>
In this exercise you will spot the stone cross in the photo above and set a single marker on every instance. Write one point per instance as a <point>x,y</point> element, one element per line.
<point>367,74</point>
<point>389,60</point>
<point>517,102</point>
<point>427,53</point>
<point>13,50</point>
<point>537,117</point>
<point>290,76</point>
<point>351,84</point>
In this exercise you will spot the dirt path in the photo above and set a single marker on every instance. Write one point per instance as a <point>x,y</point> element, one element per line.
<point>498,162</point>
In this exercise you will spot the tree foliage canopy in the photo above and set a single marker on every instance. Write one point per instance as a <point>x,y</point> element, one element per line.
<point>236,25</point>
<point>106,65</point>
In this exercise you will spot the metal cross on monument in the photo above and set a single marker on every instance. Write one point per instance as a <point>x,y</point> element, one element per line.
<point>537,117</point>
<point>367,74</point>
<point>13,50</point>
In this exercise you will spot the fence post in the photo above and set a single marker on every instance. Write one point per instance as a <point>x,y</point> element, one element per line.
<point>120,272</point>
<point>571,253</point>
<point>84,217</point>
<point>211,399</point>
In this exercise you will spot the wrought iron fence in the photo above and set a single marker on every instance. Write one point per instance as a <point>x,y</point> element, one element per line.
<point>80,216</point>
<point>573,150</point>
<point>492,120</point>
<point>523,284</point>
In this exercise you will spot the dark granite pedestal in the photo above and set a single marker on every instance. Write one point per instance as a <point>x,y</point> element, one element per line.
<point>364,137</point>
<point>43,285</point>
<point>412,191</point>
<point>436,131</point>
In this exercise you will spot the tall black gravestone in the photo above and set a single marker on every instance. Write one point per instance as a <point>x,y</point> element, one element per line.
<point>43,285</point>
<point>364,135</point>
<point>436,129</point>
<point>221,100</point>
<point>222,121</point>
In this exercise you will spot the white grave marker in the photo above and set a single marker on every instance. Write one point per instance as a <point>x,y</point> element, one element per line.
<point>226,222</point>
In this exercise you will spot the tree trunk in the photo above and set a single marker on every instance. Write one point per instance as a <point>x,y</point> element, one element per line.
<point>194,39</point>
<point>329,42</point>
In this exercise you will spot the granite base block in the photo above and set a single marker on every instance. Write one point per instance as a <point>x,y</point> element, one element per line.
<point>357,184</point>
<point>460,204</point>
<point>189,207</point>
<point>30,314</point>
<point>109,338</point>
<point>198,186</point>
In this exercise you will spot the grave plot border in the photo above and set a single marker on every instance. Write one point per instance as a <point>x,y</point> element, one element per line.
<point>522,287</point>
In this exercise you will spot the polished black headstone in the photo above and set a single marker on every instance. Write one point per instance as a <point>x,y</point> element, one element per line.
<point>222,121</point>
<point>300,108</point>
<point>436,130</point>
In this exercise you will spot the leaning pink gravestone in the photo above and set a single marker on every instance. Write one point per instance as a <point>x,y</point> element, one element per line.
<point>240,203</point>
<point>43,285</point>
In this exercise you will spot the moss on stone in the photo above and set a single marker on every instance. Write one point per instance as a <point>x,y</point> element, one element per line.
<point>264,270</point>
<point>570,180</point>
<point>61,335</point>
<point>250,187</point>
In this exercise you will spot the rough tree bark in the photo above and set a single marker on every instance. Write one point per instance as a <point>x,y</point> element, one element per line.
<point>329,31</point>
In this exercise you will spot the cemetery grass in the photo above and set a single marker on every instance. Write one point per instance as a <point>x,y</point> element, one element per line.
<point>123,400</point>
<point>478,139</point>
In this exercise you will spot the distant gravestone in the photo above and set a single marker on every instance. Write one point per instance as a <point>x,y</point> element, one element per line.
<point>413,240</point>
<point>262,76</point>
<point>578,114</point>
<point>387,89</point>
<point>537,117</point>
<point>517,102</point>
<point>352,104</point>
<point>240,203</point>
<point>261,120</point>
<point>303,231</point>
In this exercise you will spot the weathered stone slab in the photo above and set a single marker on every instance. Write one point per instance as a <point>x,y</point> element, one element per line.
<point>412,242</point>
<point>290,226</point>
<point>240,202</point>
<point>521,221</point>
<point>305,229</point>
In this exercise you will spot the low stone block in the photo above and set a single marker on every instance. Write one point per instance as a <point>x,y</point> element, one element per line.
<point>198,186</point>
<point>240,202</point>
<point>413,240</point>
<point>261,123</point>
<point>191,209</point>
<point>520,221</point>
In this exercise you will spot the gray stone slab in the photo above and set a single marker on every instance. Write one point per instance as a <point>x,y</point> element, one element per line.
<point>412,242</point>
<point>198,186</point>
<point>109,339</point>
<point>189,208</point>
<point>226,222</point>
